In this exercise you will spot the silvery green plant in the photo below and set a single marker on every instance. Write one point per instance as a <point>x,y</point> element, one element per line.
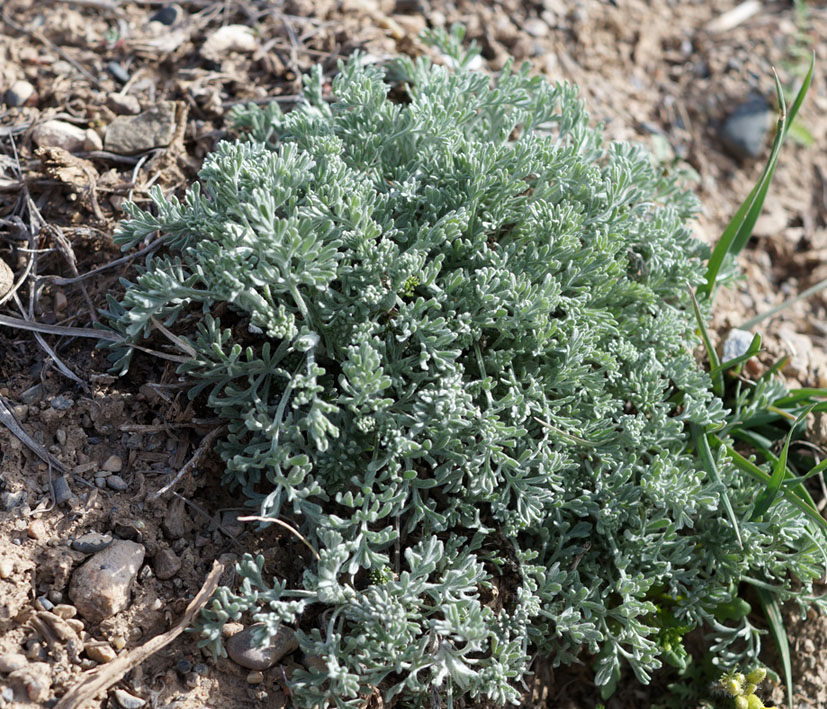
<point>451,336</point>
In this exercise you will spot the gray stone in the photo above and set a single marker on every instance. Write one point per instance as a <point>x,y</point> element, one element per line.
<point>101,587</point>
<point>92,542</point>
<point>744,133</point>
<point>62,403</point>
<point>168,15</point>
<point>153,128</point>
<point>123,104</point>
<point>128,701</point>
<point>11,500</point>
<point>63,493</point>
<point>120,74</point>
<point>117,483</point>
<point>19,93</point>
<point>244,651</point>
<point>737,343</point>
<point>32,395</point>
<point>166,564</point>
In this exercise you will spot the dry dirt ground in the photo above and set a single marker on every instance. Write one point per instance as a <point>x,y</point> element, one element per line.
<point>656,72</point>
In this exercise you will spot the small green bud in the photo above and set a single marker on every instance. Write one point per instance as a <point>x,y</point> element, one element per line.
<point>753,702</point>
<point>757,675</point>
<point>741,703</point>
<point>733,686</point>
<point>749,688</point>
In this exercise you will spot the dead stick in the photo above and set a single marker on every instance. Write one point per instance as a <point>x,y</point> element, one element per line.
<point>103,677</point>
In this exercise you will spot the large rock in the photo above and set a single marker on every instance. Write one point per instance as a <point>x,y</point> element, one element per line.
<point>101,587</point>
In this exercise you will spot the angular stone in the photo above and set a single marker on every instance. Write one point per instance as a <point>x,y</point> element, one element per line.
<point>167,564</point>
<point>244,651</point>
<point>153,128</point>
<point>101,587</point>
<point>99,652</point>
<point>92,542</point>
<point>113,464</point>
<point>63,493</point>
<point>123,104</point>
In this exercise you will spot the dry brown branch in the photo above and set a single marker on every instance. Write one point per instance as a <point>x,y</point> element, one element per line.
<point>104,676</point>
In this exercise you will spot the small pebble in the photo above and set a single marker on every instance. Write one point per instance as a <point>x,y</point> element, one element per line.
<point>736,344</point>
<point>123,104</point>
<point>6,568</point>
<point>19,93</point>
<point>128,701</point>
<point>76,624</point>
<point>43,604</point>
<point>120,74</point>
<point>168,15</point>
<point>113,464</point>
<point>116,482</point>
<point>744,133</point>
<point>100,482</point>
<point>7,693</point>
<point>200,668</point>
<point>255,677</point>
<point>37,529</point>
<point>63,493</point>
<point>183,666</point>
<point>118,642</point>
<point>60,437</point>
<point>12,661</point>
<point>99,652</point>
<point>60,134</point>
<point>65,611</point>
<point>166,564</point>
<point>92,542</point>
<point>62,403</point>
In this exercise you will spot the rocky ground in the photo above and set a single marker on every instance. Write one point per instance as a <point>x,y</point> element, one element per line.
<point>102,100</point>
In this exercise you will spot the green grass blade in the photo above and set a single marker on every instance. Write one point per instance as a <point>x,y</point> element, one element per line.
<point>740,227</point>
<point>705,454</point>
<point>796,495</point>
<point>779,472</point>
<point>769,602</point>
<point>797,395</point>
<point>714,362</point>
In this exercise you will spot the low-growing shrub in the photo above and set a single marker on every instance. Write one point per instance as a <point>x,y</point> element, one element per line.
<point>450,331</point>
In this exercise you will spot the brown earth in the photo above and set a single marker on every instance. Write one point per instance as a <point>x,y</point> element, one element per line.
<point>653,72</point>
